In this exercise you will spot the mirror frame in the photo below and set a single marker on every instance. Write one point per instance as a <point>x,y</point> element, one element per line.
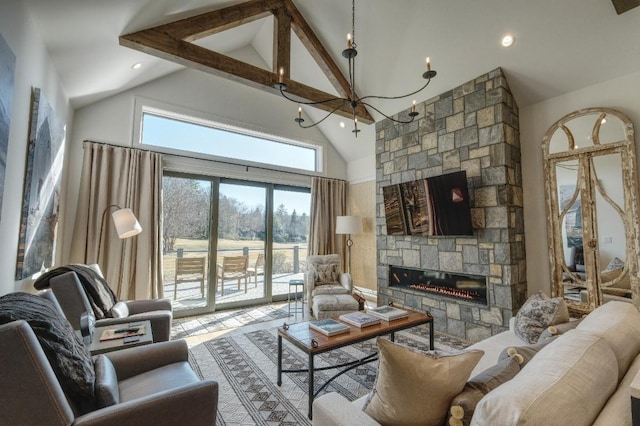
<point>626,149</point>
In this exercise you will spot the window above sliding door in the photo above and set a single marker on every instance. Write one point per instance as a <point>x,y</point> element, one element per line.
<point>206,138</point>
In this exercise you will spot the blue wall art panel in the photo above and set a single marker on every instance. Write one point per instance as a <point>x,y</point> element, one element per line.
<point>7,72</point>
<point>39,223</point>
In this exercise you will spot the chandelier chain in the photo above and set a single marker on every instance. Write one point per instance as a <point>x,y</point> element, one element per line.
<point>353,23</point>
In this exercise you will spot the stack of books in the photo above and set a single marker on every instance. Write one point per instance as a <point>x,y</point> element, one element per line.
<point>329,327</point>
<point>388,313</point>
<point>359,319</point>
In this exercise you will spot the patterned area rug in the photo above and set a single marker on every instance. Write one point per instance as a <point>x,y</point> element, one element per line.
<point>245,367</point>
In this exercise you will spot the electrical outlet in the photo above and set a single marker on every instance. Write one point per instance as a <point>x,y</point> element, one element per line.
<point>608,240</point>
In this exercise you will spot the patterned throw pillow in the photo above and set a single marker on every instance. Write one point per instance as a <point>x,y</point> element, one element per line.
<point>539,312</point>
<point>326,274</point>
<point>614,265</point>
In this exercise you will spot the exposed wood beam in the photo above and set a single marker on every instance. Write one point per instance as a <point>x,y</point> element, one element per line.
<point>162,45</point>
<point>209,23</point>
<point>282,43</point>
<point>625,5</point>
<point>173,42</point>
<point>318,52</point>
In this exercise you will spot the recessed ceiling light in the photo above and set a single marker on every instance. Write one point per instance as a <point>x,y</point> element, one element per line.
<point>137,65</point>
<point>342,124</point>
<point>508,40</point>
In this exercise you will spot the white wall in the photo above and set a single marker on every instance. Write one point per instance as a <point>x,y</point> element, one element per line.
<point>33,69</point>
<point>111,120</point>
<point>620,94</point>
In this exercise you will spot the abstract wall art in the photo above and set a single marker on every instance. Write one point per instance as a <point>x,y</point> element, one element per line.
<point>7,72</point>
<point>38,226</point>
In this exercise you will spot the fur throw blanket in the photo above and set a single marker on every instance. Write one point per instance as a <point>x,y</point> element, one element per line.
<point>69,358</point>
<point>100,295</point>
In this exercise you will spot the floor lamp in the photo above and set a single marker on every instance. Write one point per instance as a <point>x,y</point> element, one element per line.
<point>126,223</point>
<point>348,225</point>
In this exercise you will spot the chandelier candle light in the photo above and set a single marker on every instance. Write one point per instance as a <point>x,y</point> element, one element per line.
<point>350,53</point>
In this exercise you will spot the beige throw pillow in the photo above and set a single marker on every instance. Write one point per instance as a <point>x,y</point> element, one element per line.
<point>416,388</point>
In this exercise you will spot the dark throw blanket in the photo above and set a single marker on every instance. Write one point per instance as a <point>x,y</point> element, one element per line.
<point>100,295</point>
<point>69,358</point>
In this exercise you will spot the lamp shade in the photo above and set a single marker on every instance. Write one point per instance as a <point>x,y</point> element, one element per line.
<point>126,223</point>
<point>348,225</point>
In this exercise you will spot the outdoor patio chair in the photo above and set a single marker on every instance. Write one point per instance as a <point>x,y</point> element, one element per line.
<point>258,269</point>
<point>232,267</point>
<point>189,270</point>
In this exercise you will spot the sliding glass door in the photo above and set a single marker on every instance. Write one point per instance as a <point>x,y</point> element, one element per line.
<point>229,243</point>
<point>186,244</point>
<point>240,263</point>
<point>290,236</point>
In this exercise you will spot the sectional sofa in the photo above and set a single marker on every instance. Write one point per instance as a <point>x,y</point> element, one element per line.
<point>582,377</point>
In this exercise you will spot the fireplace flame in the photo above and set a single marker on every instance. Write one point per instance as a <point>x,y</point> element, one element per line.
<point>463,294</point>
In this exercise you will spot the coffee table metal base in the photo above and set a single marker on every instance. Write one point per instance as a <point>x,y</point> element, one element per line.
<point>344,366</point>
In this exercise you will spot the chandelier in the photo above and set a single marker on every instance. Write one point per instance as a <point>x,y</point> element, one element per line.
<point>350,54</point>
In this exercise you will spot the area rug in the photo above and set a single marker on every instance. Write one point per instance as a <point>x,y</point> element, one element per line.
<point>245,367</point>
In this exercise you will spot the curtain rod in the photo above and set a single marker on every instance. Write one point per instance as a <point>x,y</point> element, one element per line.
<point>206,159</point>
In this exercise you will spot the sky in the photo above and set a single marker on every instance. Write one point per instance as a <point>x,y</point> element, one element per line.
<point>252,196</point>
<point>170,133</point>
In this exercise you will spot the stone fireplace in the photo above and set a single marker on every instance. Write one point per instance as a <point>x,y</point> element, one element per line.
<point>473,127</point>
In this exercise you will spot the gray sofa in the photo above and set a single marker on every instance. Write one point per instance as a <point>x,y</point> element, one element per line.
<point>582,377</point>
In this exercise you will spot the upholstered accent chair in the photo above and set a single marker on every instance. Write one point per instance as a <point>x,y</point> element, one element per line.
<point>146,385</point>
<point>73,299</point>
<point>328,288</point>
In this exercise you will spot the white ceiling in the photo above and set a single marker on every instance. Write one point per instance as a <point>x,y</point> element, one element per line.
<point>561,46</point>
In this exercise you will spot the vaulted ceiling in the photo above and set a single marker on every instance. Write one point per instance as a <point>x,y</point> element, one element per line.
<point>561,46</point>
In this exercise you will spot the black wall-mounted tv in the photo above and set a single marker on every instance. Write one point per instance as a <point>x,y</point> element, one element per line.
<point>436,205</point>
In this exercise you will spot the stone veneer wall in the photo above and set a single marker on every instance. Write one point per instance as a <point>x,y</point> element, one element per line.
<point>474,128</point>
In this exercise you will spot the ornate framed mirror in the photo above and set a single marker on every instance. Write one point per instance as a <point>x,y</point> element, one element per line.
<point>592,208</point>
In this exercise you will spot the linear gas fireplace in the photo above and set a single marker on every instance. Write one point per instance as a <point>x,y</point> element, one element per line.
<point>471,288</point>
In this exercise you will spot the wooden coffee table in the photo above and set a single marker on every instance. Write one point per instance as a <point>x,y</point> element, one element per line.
<point>314,343</point>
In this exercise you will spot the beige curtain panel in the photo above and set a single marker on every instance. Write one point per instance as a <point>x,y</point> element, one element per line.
<point>126,177</point>
<point>328,201</point>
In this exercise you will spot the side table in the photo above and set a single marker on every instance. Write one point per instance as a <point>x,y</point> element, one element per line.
<point>295,284</point>
<point>97,347</point>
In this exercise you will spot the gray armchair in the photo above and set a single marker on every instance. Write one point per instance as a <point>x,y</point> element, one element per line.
<point>146,385</point>
<point>74,302</point>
